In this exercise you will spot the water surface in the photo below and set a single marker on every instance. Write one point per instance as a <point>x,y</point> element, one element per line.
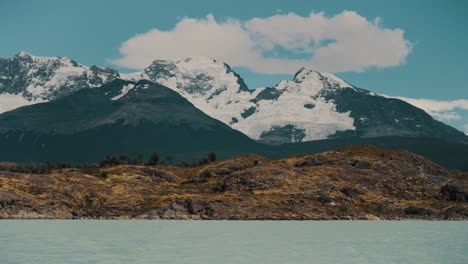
<point>83,241</point>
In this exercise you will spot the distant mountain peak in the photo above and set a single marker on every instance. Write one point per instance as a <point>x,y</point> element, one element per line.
<point>193,59</point>
<point>195,64</point>
<point>198,75</point>
<point>307,74</point>
<point>23,54</point>
<point>31,79</point>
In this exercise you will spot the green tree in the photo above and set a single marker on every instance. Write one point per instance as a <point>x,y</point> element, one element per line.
<point>169,159</point>
<point>106,162</point>
<point>203,161</point>
<point>185,164</point>
<point>212,157</point>
<point>123,159</point>
<point>154,159</point>
<point>139,159</point>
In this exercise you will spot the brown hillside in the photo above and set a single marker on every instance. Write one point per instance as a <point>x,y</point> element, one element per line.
<point>350,183</point>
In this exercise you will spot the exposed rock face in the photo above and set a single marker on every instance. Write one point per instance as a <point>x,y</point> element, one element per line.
<point>413,210</point>
<point>348,183</point>
<point>455,191</point>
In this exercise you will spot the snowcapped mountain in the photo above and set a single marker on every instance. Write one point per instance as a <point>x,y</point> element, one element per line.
<point>292,111</point>
<point>312,106</point>
<point>27,79</point>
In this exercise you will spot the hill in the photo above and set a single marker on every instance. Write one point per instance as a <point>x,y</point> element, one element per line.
<point>348,183</point>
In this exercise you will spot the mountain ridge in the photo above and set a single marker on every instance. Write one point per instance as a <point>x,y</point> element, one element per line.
<point>312,106</point>
<point>302,109</point>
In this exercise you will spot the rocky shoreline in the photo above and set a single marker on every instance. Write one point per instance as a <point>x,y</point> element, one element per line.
<point>352,183</point>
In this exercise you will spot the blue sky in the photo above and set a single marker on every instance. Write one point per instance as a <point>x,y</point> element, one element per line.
<point>434,67</point>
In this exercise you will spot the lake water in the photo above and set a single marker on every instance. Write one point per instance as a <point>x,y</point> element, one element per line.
<point>114,242</point>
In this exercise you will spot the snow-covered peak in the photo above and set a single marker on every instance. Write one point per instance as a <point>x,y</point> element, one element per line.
<point>23,54</point>
<point>303,72</point>
<point>196,63</point>
<point>37,79</point>
<point>309,75</point>
<point>199,76</point>
<point>309,82</point>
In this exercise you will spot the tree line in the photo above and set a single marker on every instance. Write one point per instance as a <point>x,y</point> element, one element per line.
<point>110,160</point>
<point>154,159</point>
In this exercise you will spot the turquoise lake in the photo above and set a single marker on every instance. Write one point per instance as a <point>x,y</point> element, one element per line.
<point>114,242</point>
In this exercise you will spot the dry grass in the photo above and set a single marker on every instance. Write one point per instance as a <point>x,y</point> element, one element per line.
<point>349,183</point>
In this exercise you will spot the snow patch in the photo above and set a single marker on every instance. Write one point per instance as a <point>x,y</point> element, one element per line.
<point>125,89</point>
<point>9,101</point>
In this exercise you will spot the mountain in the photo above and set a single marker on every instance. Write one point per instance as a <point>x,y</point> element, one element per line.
<point>347,183</point>
<point>132,118</point>
<point>27,79</point>
<point>285,113</point>
<point>121,117</point>
<point>312,106</point>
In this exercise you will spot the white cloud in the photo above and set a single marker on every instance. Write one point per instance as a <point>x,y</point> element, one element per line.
<point>465,129</point>
<point>440,110</point>
<point>344,42</point>
<point>445,116</point>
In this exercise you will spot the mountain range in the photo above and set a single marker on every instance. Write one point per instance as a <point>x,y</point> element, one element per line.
<point>57,109</point>
<point>312,106</point>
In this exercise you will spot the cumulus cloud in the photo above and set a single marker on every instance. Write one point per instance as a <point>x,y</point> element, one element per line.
<point>440,110</point>
<point>343,42</point>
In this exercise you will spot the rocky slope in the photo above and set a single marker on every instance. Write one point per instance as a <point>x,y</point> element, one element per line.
<point>349,183</point>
